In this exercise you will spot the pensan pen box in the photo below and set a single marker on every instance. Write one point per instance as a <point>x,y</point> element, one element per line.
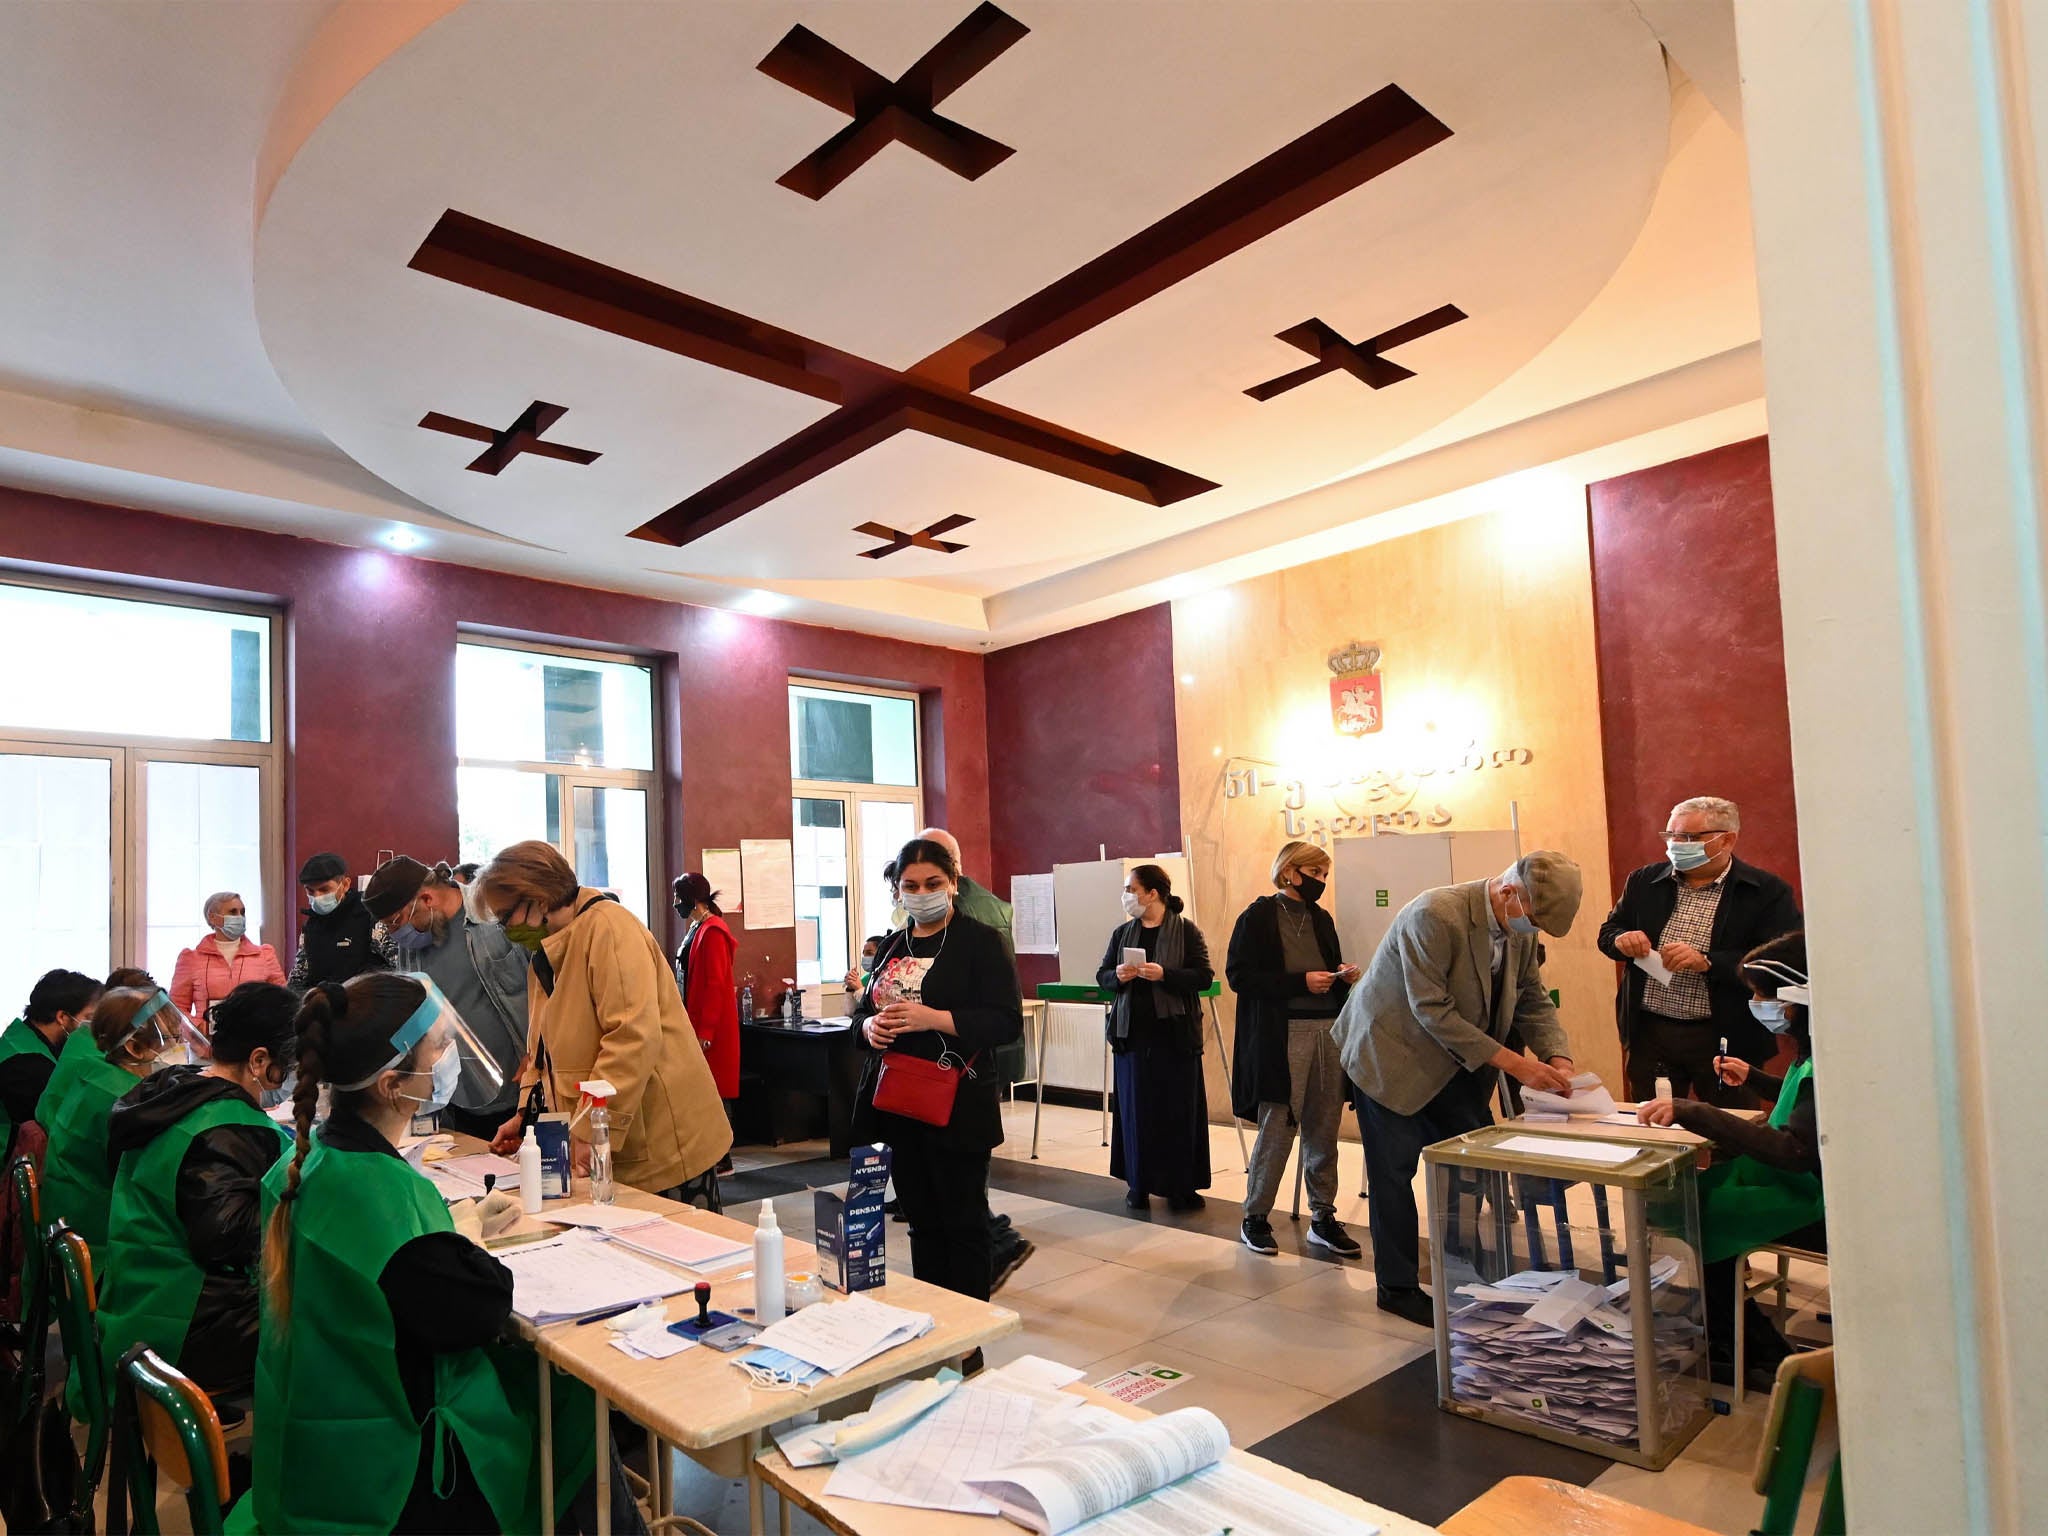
<point>852,1230</point>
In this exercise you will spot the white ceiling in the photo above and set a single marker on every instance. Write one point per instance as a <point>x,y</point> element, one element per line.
<point>1591,222</point>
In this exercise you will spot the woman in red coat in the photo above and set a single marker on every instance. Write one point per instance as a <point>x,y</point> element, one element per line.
<point>704,972</point>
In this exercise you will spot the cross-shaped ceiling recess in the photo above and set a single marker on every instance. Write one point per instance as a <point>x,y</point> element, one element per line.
<point>1360,359</point>
<point>523,436</point>
<point>925,538</point>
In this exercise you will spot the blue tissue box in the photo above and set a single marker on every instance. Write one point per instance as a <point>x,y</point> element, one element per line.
<point>852,1229</point>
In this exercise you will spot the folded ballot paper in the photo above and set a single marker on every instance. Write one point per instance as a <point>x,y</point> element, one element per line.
<point>1551,1345</point>
<point>836,1336</point>
<point>1589,1099</point>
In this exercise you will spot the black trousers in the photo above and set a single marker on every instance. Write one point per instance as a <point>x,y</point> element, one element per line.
<point>944,1190</point>
<point>1393,1149</point>
<point>1762,1344</point>
<point>1680,1049</point>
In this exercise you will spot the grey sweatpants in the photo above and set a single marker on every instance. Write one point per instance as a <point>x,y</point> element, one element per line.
<point>1317,1089</point>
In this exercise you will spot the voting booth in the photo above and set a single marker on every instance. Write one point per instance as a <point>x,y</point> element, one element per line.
<point>1377,876</point>
<point>1568,1288</point>
<point>1087,904</point>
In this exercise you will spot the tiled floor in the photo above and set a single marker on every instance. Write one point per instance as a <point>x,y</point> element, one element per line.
<point>1266,1342</point>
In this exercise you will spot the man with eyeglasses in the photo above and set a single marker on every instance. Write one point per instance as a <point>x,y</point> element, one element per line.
<point>1697,911</point>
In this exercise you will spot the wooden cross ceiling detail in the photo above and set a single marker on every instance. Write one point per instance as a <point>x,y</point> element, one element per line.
<point>523,436</point>
<point>900,111</point>
<point>927,538</point>
<point>1360,359</point>
<point>872,403</point>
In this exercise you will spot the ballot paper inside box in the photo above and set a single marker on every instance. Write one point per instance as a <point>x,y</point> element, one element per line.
<point>1567,1281</point>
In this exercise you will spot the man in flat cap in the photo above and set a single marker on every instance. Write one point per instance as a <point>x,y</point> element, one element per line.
<point>337,941</point>
<point>1422,1037</point>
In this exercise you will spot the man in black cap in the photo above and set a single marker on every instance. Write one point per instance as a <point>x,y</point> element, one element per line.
<point>338,940</point>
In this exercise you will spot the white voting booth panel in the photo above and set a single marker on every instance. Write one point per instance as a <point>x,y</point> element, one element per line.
<point>1377,876</point>
<point>1087,901</point>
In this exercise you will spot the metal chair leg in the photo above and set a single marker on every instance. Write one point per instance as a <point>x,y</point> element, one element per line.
<point>1105,1077</point>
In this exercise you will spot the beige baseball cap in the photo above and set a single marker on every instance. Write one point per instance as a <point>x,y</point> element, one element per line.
<point>1554,887</point>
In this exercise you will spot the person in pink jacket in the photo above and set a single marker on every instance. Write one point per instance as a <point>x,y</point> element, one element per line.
<point>222,961</point>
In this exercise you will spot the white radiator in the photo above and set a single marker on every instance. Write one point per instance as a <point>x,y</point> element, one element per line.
<point>1073,1046</point>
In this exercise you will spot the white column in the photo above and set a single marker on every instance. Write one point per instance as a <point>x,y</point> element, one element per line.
<point>1895,159</point>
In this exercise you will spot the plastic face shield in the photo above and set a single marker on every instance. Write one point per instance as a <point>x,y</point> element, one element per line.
<point>436,1023</point>
<point>1792,985</point>
<point>161,1032</point>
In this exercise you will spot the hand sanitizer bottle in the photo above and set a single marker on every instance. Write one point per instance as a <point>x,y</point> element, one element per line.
<point>769,1281</point>
<point>529,1174</point>
<point>600,1094</point>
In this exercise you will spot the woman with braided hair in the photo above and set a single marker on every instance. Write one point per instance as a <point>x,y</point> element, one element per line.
<point>385,1400</point>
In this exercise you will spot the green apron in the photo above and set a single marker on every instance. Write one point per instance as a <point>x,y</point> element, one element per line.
<point>75,1111</point>
<point>20,1038</point>
<point>336,1442</point>
<point>152,1282</point>
<point>1745,1203</point>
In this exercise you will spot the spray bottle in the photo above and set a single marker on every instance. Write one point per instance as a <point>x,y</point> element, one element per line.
<point>769,1280</point>
<point>597,1097</point>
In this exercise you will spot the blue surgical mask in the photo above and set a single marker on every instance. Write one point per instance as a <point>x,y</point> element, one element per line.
<point>234,927</point>
<point>1770,1013</point>
<point>446,1074</point>
<point>928,906</point>
<point>411,939</point>
<point>1685,856</point>
<point>324,903</point>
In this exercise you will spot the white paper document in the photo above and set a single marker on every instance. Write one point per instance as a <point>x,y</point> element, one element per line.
<point>606,1218</point>
<point>924,1467</point>
<point>1225,1498</point>
<point>1570,1149</point>
<point>1031,908</point>
<point>652,1341</point>
<point>1588,1098</point>
<point>578,1274</point>
<point>680,1244</point>
<point>836,1336</point>
<point>1652,965</point>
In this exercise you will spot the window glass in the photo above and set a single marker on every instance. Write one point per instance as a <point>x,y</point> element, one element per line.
<point>204,831</point>
<point>528,706</point>
<point>852,738</point>
<point>134,668</point>
<point>611,843</point>
<point>818,850</point>
<point>56,863</point>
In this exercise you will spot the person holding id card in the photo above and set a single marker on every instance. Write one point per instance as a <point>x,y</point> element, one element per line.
<point>941,996</point>
<point>1158,965</point>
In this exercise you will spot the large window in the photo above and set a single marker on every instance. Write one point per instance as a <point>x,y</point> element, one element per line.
<point>855,800</point>
<point>558,746</point>
<point>138,774</point>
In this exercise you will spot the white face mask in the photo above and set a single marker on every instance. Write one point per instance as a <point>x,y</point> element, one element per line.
<point>1134,904</point>
<point>928,906</point>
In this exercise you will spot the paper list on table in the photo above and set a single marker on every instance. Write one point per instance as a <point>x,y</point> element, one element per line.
<point>1055,1493</point>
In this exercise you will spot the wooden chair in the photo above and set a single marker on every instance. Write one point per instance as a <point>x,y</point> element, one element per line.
<point>1524,1506</point>
<point>165,1423</point>
<point>1802,1422</point>
<point>1747,1288</point>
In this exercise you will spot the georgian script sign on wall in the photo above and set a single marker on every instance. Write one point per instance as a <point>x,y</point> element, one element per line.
<point>1391,793</point>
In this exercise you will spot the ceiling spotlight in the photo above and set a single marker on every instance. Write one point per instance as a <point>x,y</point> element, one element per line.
<point>402,538</point>
<point>763,604</point>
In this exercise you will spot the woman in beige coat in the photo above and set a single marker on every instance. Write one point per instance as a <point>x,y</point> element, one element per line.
<point>602,1003</point>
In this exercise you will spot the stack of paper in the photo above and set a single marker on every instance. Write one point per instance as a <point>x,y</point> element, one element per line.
<point>1588,1100</point>
<point>578,1274</point>
<point>690,1247</point>
<point>604,1218</point>
<point>1548,1344</point>
<point>836,1336</point>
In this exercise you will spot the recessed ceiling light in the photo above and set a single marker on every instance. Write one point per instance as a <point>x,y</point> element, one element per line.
<point>765,604</point>
<point>403,538</point>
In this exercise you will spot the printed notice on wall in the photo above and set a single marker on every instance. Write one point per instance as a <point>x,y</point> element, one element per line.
<point>1031,918</point>
<point>722,869</point>
<point>768,881</point>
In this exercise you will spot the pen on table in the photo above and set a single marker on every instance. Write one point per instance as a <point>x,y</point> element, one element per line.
<point>598,1317</point>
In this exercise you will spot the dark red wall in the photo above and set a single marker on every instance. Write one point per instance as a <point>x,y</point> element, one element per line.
<point>370,707</point>
<point>1692,654</point>
<point>1082,751</point>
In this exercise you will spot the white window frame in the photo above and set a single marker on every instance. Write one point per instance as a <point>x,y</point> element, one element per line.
<point>576,776</point>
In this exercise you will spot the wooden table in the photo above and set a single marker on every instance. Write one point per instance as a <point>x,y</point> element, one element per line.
<point>699,1401</point>
<point>1519,1506</point>
<point>805,1487</point>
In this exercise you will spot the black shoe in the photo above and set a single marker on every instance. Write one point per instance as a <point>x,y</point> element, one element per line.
<point>1185,1202</point>
<point>1410,1304</point>
<point>1328,1232</point>
<point>971,1366</point>
<point>1010,1263</point>
<point>1136,1201</point>
<point>1258,1235</point>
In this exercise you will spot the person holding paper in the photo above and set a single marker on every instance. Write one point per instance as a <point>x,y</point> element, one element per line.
<point>383,1399</point>
<point>1423,1037</point>
<point>1770,1191</point>
<point>1157,964</point>
<point>1682,925</point>
<point>1290,978</point>
<point>944,992</point>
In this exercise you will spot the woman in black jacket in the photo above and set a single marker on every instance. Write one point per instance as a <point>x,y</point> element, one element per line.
<point>943,989</point>
<point>1290,979</point>
<point>1161,1145</point>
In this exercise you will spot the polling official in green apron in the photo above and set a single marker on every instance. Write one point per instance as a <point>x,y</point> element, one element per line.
<point>58,1004</point>
<point>1769,1190</point>
<point>132,1034</point>
<point>387,1395</point>
<point>189,1146</point>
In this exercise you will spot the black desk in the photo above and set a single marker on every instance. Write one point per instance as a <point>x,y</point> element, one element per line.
<point>791,1071</point>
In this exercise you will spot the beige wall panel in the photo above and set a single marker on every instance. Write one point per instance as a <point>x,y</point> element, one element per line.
<point>1486,631</point>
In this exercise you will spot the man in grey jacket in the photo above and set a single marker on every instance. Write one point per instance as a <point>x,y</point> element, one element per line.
<point>1422,1037</point>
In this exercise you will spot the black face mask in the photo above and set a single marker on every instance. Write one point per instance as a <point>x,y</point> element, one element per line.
<point>1311,888</point>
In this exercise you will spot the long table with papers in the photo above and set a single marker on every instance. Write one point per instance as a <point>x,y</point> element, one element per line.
<point>686,1395</point>
<point>1053,1460</point>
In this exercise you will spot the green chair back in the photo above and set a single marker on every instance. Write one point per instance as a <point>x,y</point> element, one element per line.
<point>35,1304</point>
<point>165,1422</point>
<point>77,1308</point>
<point>1797,1406</point>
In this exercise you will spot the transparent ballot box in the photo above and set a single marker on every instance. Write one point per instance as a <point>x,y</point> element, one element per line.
<point>1567,1276</point>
